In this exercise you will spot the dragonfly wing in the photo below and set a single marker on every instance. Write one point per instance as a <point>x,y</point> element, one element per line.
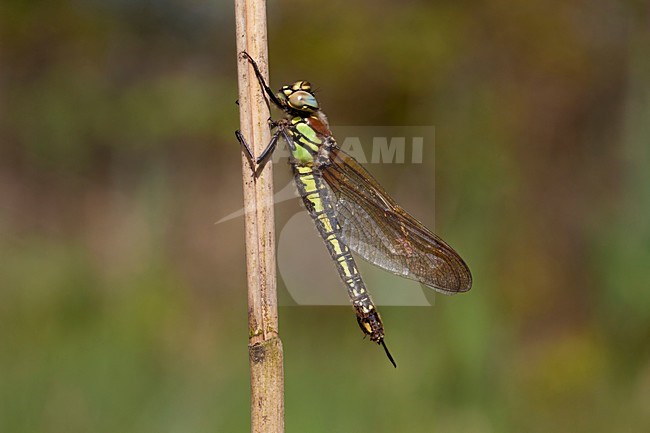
<point>381,232</point>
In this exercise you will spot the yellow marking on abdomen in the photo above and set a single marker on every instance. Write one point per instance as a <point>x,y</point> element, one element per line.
<point>325,221</point>
<point>304,170</point>
<point>316,202</point>
<point>338,249</point>
<point>309,183</point>
<point>349,271</point>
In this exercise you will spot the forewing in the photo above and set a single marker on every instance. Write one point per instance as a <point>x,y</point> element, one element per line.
<point>380,231</point>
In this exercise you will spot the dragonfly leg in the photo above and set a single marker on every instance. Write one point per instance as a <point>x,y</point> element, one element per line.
<point>263,158</point>
<point>261,80</point>
<point>266,153</point>
<point>288,139</point>
<point>247,149</point>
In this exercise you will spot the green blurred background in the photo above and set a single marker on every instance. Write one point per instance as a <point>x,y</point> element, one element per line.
<point>123,305</point>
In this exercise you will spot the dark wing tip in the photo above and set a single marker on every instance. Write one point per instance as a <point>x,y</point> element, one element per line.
<point>465,278</point>
<point>453,277</point>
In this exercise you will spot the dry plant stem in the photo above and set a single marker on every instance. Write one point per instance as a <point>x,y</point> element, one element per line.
<point>264,345</point>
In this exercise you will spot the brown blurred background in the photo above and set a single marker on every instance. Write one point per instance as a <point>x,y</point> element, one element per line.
<point>123,306</point>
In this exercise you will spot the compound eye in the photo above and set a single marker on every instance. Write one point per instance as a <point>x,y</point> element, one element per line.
<point>301,100</point>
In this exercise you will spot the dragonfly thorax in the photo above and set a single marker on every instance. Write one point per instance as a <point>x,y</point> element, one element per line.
<point>298,96</point>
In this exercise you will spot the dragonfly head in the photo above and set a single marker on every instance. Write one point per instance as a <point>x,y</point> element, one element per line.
<point>298,96</point>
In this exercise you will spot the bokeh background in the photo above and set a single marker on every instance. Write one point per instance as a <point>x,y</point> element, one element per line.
<point>123,305</point>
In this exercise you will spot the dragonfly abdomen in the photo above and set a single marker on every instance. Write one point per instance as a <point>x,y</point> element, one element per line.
<point>315,196</point>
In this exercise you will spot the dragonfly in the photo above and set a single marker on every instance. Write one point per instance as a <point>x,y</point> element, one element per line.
<point>351,210</point>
